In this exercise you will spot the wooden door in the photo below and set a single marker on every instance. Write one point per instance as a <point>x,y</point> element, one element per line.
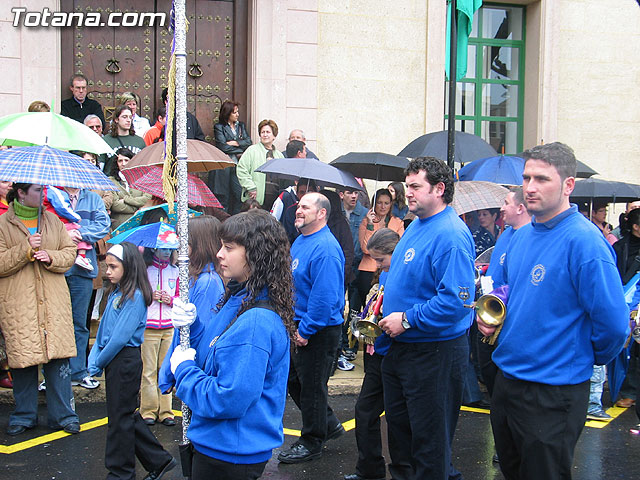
<point>137,58</point>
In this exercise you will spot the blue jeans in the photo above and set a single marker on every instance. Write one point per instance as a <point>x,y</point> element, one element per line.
<point>60,403</point>
<point>80,289</point>
<point>595,388</point>
<point>423,384</point>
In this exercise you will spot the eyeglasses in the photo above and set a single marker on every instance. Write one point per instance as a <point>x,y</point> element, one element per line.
<point>95,127</point>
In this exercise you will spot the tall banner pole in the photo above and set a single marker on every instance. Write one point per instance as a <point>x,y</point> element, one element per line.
<point>180,36</point>
<point>453,66</point>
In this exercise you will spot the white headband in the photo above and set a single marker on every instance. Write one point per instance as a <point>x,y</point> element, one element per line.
<point>117,251</point>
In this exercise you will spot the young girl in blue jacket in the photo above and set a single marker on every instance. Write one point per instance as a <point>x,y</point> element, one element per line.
<point>234,378</point>
<point>117,352</point>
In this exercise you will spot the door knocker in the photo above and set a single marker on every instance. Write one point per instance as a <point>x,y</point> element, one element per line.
<point>194,70</point>
<point>113,66</point>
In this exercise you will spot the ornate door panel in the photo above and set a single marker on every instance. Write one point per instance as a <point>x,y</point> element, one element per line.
<point>115,60</point>
<point>137,58</point>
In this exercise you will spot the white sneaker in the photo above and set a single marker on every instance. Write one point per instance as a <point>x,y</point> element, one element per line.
<point>42,386</point>
<point>84,262</point>
<point>87,382</point>
<point>344,364</point>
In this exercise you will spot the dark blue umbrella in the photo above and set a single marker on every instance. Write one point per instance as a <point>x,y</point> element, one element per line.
<point>373,165</point>
<point>501,169</point>
<point>323,173</point>
<point>468,147</point>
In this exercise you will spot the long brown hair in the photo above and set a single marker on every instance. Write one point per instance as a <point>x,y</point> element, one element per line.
<point>134,276</point>
<point>268,258</point>
<point>204,241</point>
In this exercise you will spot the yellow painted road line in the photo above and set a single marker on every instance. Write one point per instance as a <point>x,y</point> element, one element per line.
<point>615,412</point>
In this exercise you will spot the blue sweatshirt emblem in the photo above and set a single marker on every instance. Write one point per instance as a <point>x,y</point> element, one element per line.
<point>294,264</point>
<point>409,254</point>
<point>537,274</point>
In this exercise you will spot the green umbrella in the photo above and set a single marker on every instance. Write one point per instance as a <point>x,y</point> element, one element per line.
<point>48,128</point>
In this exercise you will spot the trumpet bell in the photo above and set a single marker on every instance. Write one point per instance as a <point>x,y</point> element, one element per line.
<point>491,310</point>
<point>369,327</point>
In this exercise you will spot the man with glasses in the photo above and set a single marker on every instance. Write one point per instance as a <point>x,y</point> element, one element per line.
<point>79,106</point>
<point>94,123</point>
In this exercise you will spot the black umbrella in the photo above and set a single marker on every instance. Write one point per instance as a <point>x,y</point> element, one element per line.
<point>468,147</point>
<point>373,165</point>
<point>591,188</point>
<point>583,170</point>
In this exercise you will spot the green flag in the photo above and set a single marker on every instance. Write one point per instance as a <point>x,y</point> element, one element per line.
<point>466,10</point>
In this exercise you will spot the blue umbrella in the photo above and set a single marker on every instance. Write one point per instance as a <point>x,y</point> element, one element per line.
<point>501,169</point>
<point>323,173</point>
<point>136,218</point>
<point>45,165</point>
<point>153,235</point>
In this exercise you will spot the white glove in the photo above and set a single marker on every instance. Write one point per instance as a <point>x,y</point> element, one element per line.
<point>179,355</point>
<point>182,314</point>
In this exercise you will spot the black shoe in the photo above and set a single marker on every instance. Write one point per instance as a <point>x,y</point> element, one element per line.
<point>149,421</point>
<point>298,453</point>
<point>72,428</point>
<point>158,474</point>
<point>479,404</point>
<point>495,458</point>
<point>355,476</point>
<point>14,430</point>
<point>169,422</point>
<point>335,432</point>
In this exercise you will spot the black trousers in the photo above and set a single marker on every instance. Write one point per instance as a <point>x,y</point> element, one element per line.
<point>369,407</point>
<point>128,436</point>
<point>487,367</point>
<point>207,468</point>
<point>308,376</point>
<point>423,385</point>
<point>536,427</point>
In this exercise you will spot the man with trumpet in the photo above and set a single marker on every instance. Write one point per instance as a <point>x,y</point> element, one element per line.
<point>430,279</point>
<point>565,313</point>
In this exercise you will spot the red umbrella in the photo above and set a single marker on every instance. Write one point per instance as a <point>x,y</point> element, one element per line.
<point>149,179</point>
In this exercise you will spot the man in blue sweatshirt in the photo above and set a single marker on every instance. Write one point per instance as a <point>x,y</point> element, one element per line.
<point>565,313</point>
<point>318,277</point>
<point>430,279</point>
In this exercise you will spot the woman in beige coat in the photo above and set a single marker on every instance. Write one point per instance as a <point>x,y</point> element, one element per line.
<point>35,309</point>
<point>127,200</point>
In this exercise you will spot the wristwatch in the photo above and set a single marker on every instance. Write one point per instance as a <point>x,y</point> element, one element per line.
<point>405,323</point>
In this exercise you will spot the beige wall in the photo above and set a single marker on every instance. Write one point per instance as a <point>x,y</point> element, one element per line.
<point>598,79</point>
<point>29,60</point>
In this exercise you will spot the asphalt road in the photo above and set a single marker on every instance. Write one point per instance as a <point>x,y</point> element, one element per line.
<point>610,452</point>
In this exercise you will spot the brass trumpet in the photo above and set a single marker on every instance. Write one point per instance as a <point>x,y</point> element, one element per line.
<point>368,326</point>
<point>492,310</point>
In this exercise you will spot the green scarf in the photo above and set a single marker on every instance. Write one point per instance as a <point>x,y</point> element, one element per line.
<point>23,212</point>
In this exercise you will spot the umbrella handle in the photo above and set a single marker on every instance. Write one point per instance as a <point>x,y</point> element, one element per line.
<point>40,209</point>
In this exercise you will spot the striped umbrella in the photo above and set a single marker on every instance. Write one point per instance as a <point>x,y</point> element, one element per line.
<point>149,179</point>
<point>45,165</point>
<point>476,195</point>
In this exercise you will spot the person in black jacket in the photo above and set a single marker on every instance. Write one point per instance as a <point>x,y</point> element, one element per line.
<point>339,226</point>
<point>79,106</point>
<point>232,138</point>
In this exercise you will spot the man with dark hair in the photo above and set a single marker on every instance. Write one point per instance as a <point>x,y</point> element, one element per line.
<point>122,134</point>
<point>79,106</point>
<point>299,136</point>
<point>565,312</point>
<point>296,149</point>
<point>194,131</point>
<point>430,279</point>
<point>318,276</point>
<point>156,132</point>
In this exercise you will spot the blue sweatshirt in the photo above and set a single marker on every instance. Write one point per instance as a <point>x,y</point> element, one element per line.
<point>431,267</point>
<point>204,293</point>
<point>237,387</point>
<point>496,267</point>
<point>318,277</point>
<point>122,325</point>
<point>566,311</point>
<point>94,225</point>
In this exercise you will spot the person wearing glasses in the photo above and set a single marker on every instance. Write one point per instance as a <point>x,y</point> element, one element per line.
<point>79,106</point>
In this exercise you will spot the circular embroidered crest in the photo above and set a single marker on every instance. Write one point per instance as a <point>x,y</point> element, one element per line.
<point>537,274</point>
<point>294,264</point>
<point>409,254</point>
<point>502,257</point>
